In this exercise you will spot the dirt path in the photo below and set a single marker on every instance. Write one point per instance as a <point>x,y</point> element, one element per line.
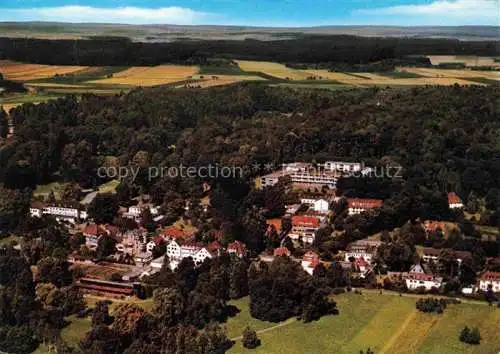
<point>401,329</point>
<point>282,324</point>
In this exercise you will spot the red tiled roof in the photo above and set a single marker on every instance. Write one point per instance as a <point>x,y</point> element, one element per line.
<point>364,203</point>
<point>311,256</point>
<point>38,205</point>
<point>491,276</point>
<point>431,225</point>
<point>158,240</point>
<point>360,262</point>
<point>305,220</point>
<point>282,251</point>
<point>172,231</point>
<point>214,246</point>
<point>237,246</point>
<point>94,230</point>
<point>274,222</point>
<point>453,198</point>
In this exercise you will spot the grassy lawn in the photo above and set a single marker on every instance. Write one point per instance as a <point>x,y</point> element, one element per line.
<point>109,187</point>
<point>385,323</point>
<point>43,190</point>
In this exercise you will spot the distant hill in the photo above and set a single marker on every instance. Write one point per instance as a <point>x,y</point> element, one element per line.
<point>167,33</point>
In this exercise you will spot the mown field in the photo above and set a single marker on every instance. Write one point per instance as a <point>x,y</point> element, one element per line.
<point>387,323</point>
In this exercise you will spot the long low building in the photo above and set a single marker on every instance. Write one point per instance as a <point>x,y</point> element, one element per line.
<point>60,212</point>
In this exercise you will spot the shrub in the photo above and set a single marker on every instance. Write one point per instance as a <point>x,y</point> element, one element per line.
<point>432,305</point>
<point>470,336</point>
<point>250,339</point>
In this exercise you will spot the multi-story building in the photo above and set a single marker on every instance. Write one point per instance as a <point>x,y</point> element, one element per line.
<point>360,250</point>
<point>343,166</point>
<point>432,254</point>
<point>304,228</point>
<point>237,248</point>
<point>417,280</point>
<point>60,212</point>
<point>310,261</point>
<point>454,201</point>
<point>490,279</point>
<point>135,211</point>
<point>358,206</point>
<point>92,233</point>
<point>177,252</point>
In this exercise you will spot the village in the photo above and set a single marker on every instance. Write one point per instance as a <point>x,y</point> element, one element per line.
<point>137,252</point>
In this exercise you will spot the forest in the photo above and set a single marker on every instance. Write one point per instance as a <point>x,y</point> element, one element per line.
<point>350,50</point>
<point>444,138</point>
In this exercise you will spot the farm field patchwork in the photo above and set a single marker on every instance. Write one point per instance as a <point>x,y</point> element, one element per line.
<point>220,80</point>
<point>23,72</point>
<point>149,76</point>
<point>454,73</point>
<point>276,70</point>
<point>467,60</point>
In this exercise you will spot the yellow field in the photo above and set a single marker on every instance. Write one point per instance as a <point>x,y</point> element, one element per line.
<point>51,85</point>
<point>274,69</point>
<point>329,75</point>
<point>150,76</point>
<point>375,79</point>
<point>221,80</point>
<point>23,72</point>
<point>467,60</point>
<point>8,106</point>
<point>451,73</point>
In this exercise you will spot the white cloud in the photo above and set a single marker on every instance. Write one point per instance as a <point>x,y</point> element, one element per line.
<point>463,11</point>
<point>128,15</point>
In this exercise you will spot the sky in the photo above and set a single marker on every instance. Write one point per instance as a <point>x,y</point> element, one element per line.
<point>276,13</point>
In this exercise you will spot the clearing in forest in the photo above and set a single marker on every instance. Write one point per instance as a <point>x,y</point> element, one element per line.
<point>23,72</point>
<point>277,70</point>
<point>150,75</point>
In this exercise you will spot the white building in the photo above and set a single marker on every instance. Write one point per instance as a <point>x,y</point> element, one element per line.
<point>490,279</point>
<point>343,166</point>
<point>176,252</point>
<point>143,258</point>
<point>60,213</point>
<point>357,251</point>
<point>135,211</point>
<point>150,246</point>
<point>454,201</point>
<point>358,206</point>
<point>417,280</point>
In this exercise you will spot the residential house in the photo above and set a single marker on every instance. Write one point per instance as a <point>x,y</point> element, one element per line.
<point>319,205</point>
<point>177,252</point>
<point>143,258</point>
<point>417,280</point>
<point>360,250</point>
<point>282,251</point>
<point>135,211</point>
<point>174,233</point>
<point>237,248</point>
<point>304,228</point>
<point>310,261</point>
<point>358,206</point>
<point>433,226</point>
<point>432,254</point>
<point>454,201</point>
<point>215,248</point>
<point>92,233</point>
<point>490,279</point>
